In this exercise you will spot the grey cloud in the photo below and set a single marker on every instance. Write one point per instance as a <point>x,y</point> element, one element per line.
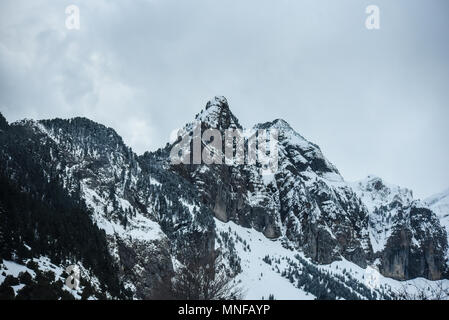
<point>375,101</point>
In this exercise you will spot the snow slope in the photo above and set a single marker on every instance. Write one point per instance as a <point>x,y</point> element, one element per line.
<point>264,261</point>
<point>257,277</point>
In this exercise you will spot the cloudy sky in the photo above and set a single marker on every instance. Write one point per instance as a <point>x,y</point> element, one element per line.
<point>376,101</point>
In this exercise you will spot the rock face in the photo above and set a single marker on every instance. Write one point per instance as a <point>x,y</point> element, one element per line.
<point>413,251</point>
<point>144,264</point>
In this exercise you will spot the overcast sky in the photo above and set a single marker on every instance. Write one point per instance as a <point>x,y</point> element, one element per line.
<point>376,101</point>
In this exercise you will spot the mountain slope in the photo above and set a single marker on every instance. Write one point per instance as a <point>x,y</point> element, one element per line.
<point>40,220</point>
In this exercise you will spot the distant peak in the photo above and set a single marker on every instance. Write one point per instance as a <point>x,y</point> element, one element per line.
<point>280,124</point>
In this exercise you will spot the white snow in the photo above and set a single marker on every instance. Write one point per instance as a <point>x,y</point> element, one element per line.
<point>257,278</point>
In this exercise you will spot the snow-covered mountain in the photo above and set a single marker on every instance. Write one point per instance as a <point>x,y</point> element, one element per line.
<point>138,206</point>
<point>302,232</point>
<point>404,232</point>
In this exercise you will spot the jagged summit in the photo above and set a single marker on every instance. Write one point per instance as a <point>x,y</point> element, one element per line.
<point>218,115</point>
<point>218,101</point>
<point>301,151</point>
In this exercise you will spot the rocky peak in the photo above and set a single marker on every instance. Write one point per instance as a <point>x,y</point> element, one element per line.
<point>218,115</point>
<point>82,137</point>
<point>218,101</point>
<point>304,154</point>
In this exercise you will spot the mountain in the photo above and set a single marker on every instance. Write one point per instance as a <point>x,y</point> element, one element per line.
<point>299,232</point>
<point>44,227</point>
<point>406,235</point>
<point>137,206</point>
<point>306,201</point>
